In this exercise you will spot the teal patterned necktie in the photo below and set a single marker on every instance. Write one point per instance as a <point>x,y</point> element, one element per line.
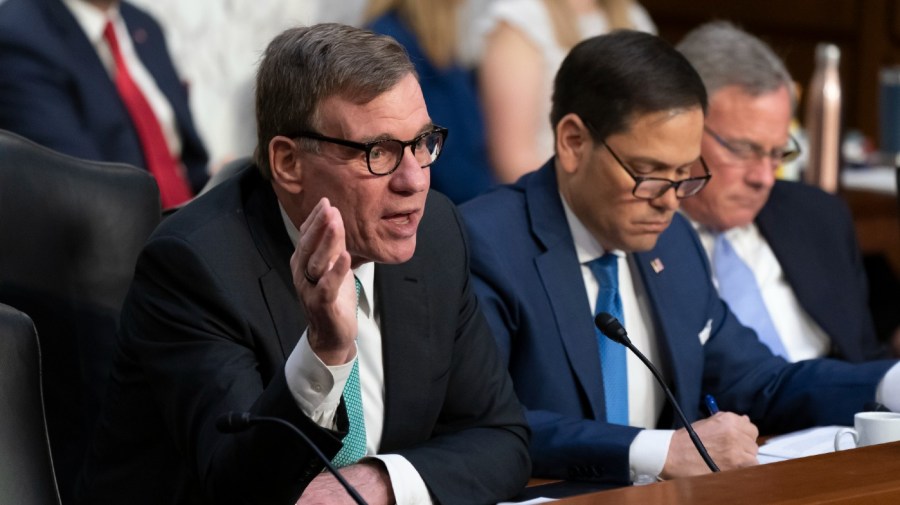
<point>354,447</point>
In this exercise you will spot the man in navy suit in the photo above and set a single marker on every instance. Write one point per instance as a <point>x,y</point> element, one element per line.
<point>628,114</point>
<point>57,88</point>
<point>798,240</point>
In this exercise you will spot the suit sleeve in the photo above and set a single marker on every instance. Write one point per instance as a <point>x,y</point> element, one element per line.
<point>740,371</point>
<point>199,358</point>
<point>37,101</point>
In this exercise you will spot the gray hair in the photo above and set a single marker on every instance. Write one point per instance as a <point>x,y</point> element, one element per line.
<point>724,55</point>
<point>303,66</point>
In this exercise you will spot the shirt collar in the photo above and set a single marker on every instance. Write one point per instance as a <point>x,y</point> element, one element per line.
<point>365,272</point>
<point>734,235</point>
<point>586,246</point>
<point>91,19</point>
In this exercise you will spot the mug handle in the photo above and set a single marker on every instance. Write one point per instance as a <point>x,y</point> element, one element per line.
<point>845,431</point>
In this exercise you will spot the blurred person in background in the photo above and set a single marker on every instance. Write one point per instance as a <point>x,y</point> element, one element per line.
<point>93,79</point>
<point>216,47</point>
<point>798,241</point>
<point>430,32</point>
<point>524,43</point>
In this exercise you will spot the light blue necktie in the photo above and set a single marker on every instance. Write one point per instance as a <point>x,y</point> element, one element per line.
<point>354,447</point>
<point>612,355</point>
<point>737,286</point>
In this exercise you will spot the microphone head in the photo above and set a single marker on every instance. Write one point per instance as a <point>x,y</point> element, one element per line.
<point>612,328</point>
<point>233,422</point>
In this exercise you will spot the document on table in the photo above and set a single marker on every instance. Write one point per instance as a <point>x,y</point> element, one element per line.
<point>799,444</point>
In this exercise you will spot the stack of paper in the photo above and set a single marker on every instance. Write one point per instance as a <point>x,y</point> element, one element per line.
<point>799,444</point>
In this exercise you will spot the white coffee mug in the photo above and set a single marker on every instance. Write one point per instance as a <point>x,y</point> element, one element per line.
<point>871,428</point>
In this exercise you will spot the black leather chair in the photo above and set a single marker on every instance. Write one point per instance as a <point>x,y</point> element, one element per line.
<point>26,470</point>
<point>70,233</point>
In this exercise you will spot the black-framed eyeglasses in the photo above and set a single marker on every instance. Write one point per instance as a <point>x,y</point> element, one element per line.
<point>384,156</point>
<point>750,152</point>
<point>649,188</point>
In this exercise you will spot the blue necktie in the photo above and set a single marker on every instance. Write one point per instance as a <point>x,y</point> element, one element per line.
<point>737,286</point>
<point>354,447</point>
<point>612,355</point>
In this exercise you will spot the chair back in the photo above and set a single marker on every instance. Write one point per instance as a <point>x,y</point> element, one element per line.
<point>71,231</point>
<point>26,470</point>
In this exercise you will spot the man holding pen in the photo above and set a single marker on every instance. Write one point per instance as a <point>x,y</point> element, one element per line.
<point>596,230</point>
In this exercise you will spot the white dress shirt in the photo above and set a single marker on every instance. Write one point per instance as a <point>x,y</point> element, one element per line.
<point>317,388</point>
<point>649,450</point>
<point>93,21</point>
<point>802,337</point>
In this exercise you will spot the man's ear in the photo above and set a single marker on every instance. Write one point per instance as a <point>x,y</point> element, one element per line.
<point>285,162</point>
<point>573,142</point>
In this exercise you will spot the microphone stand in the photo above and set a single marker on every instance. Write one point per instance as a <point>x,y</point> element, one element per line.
<point>232,422</point>
<point>613,329</point>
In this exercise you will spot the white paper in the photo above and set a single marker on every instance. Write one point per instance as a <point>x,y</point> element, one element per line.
<point>799,444</point>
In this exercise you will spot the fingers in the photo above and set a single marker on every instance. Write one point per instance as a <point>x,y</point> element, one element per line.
<point>729,438</point>
<point>320,267</point>
<point>321,243</point>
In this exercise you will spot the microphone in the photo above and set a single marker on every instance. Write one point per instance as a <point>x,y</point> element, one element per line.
<point>613,329</point>
<point>236,422</point>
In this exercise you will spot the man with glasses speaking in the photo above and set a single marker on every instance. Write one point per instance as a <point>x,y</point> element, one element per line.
<point>596,230</point>
<point>797,242</point>
<point>325,286</point>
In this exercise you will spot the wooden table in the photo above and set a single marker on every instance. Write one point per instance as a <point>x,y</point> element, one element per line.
<point>865,476</point>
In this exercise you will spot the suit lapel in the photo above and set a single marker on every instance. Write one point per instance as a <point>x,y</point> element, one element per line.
<point>275,249</point>
<point>78,49</point>
<point>560,274</point>
<point>677,345</point>
<point>406,345</point>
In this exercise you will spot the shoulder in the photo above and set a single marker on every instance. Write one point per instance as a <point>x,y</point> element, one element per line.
<point>215,216</point>
<point>23,23</point>
<point>797,201</point>
<point>137,18</point>
<point>440,231</point>
<point>529,17</point>
<point>495,212</point>
<point>640,18</point>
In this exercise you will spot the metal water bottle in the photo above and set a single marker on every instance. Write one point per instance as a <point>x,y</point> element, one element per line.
<point>823,120</point>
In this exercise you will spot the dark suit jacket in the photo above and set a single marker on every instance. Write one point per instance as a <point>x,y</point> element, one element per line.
<point>212,316</point>
<point>812,235</point>
<point>529,281</point>
<point>55,91</point>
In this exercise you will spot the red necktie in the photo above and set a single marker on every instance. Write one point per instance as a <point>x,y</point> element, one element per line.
<point>173,186</point>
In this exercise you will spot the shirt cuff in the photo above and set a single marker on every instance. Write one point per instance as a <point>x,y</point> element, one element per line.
<point>647,455</point>
<point>409,488</point>
<point>316,387</point>
<point>888,392</point>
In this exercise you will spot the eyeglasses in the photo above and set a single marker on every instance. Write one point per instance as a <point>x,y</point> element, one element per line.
<point>749,152</point>
<point>384,156</point>
<point>650,188</point>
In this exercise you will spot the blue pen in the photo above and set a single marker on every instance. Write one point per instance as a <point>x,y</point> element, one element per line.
<point>711,405</point>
